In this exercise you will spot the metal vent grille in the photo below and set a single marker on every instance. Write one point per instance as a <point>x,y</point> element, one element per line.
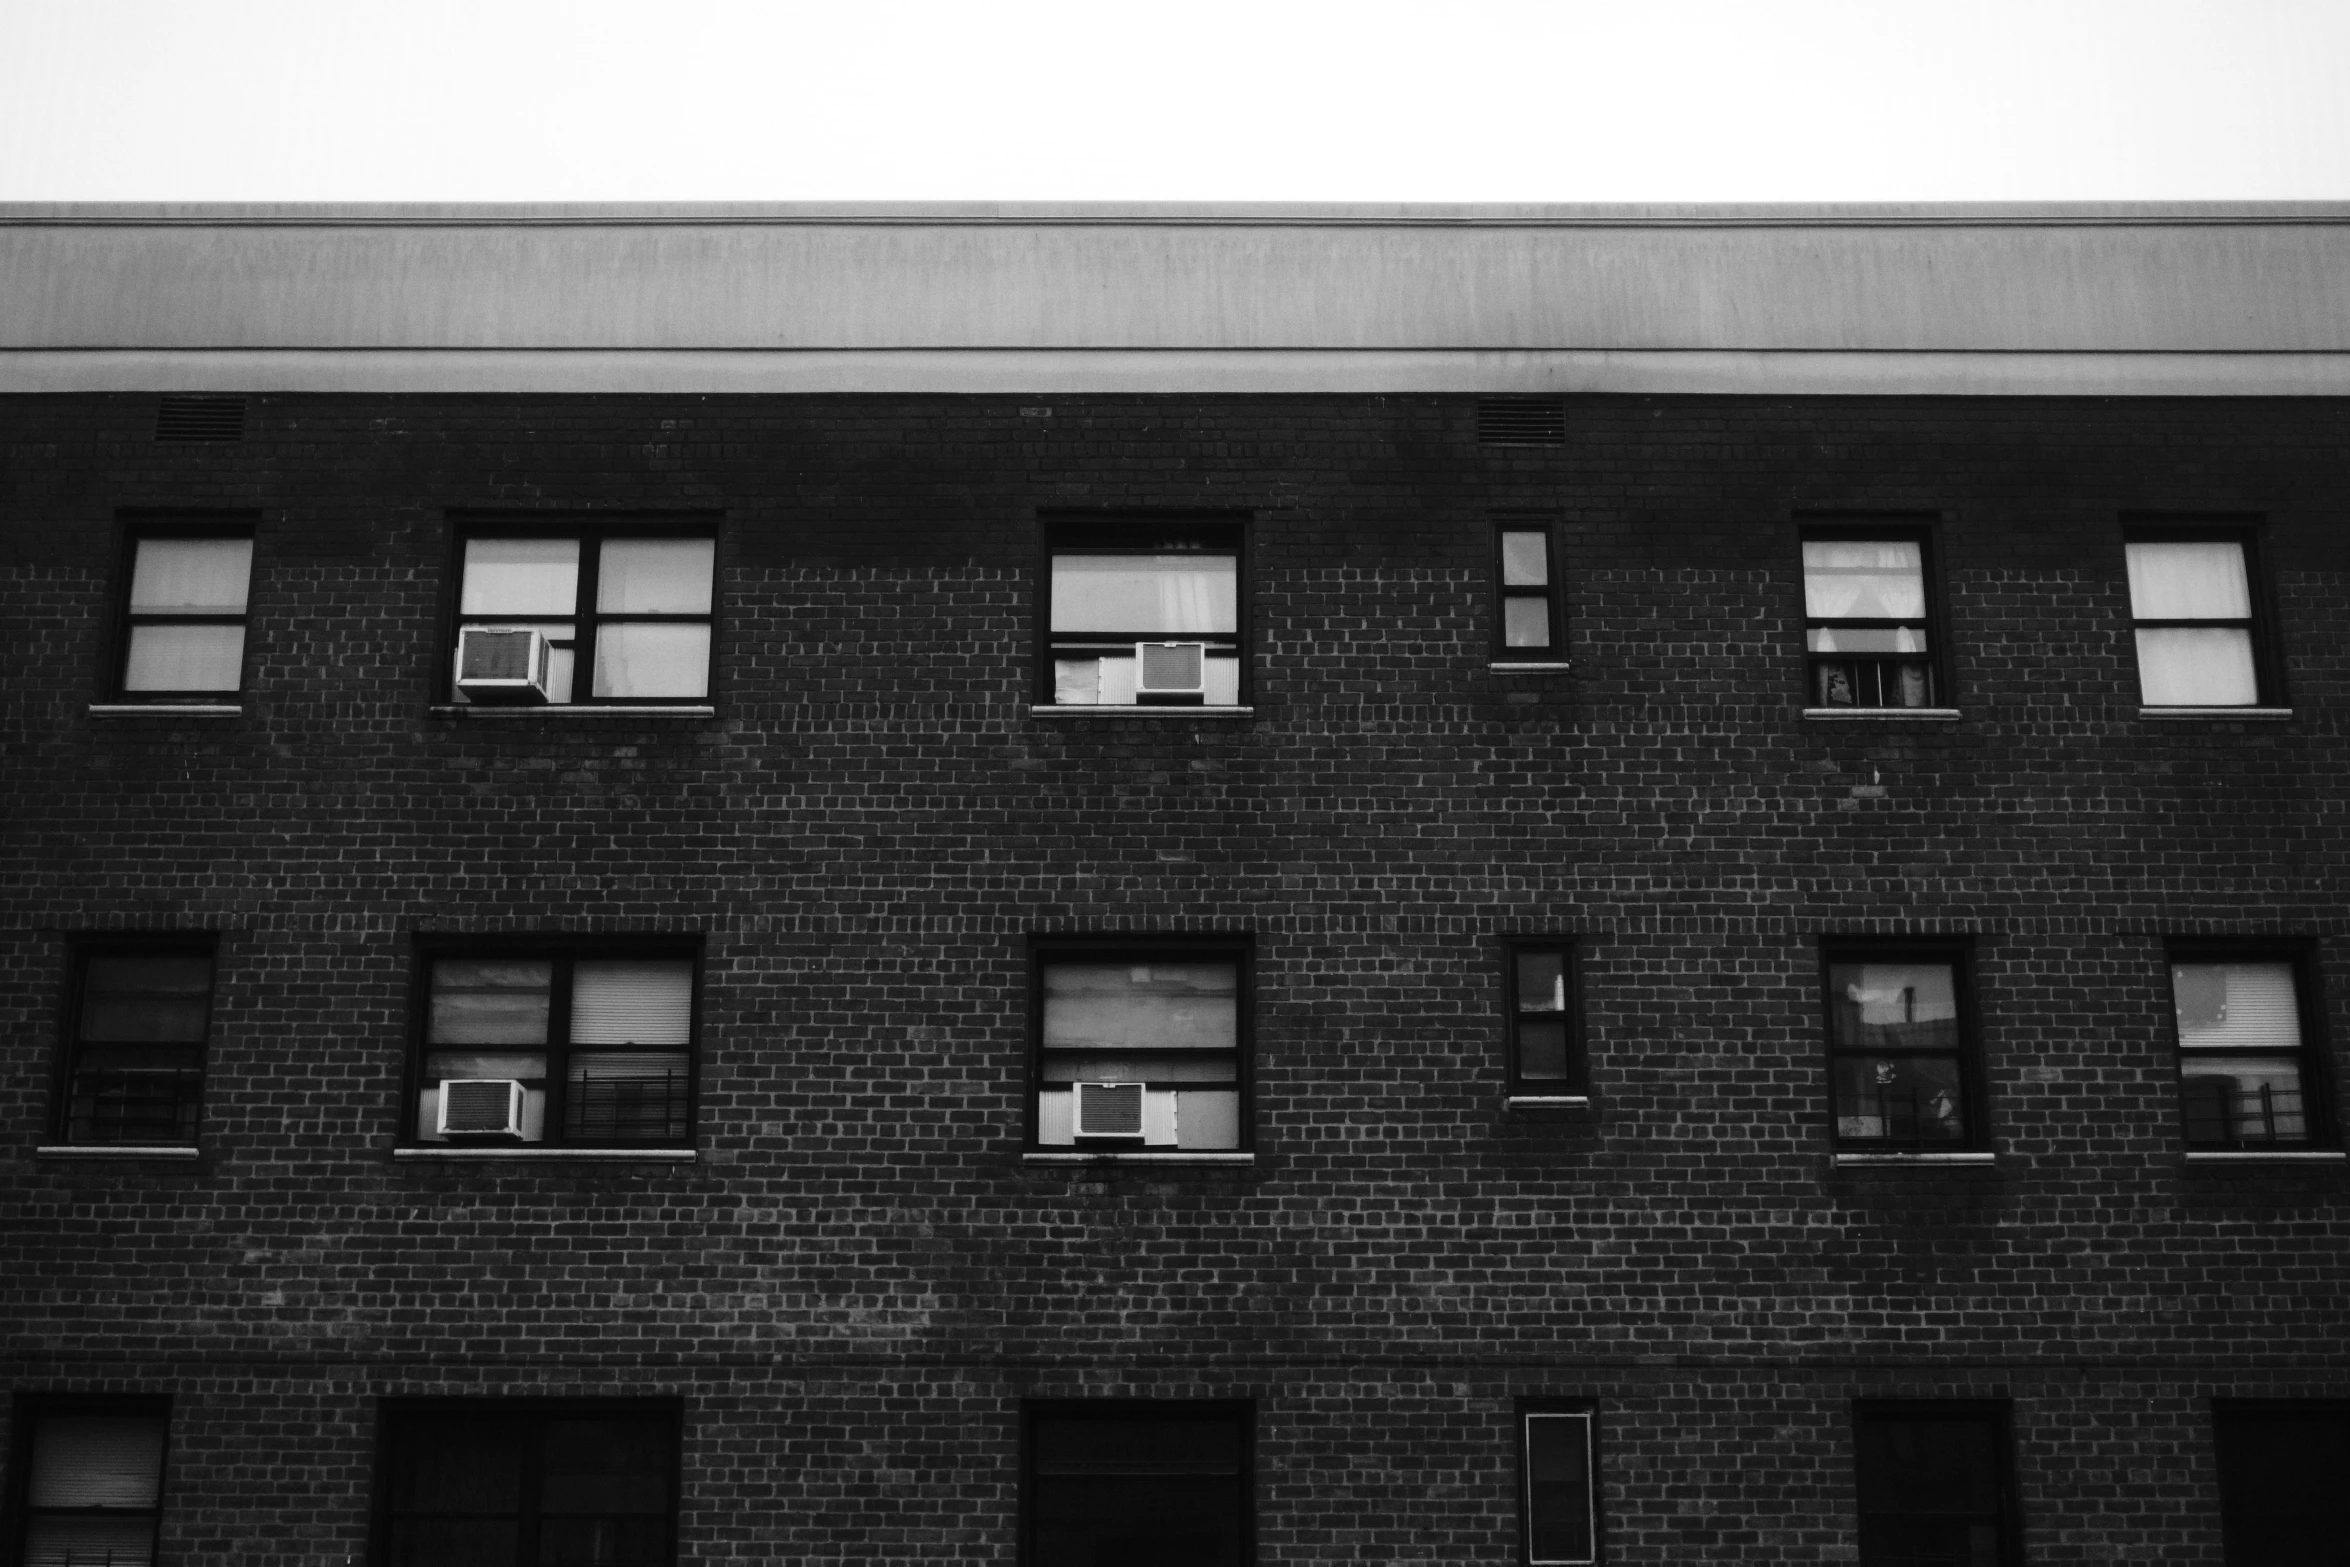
<point>188,419</point>
<point>1521,421</point>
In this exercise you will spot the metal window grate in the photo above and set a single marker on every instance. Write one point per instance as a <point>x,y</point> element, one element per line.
<point>185,420</point>
<point>1521,421</point>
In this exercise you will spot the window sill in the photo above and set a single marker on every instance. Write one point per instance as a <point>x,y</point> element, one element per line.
<point>2268,1156</point>
<point>1172,1157</point>
<point>1106,710</point>
<point>1885,714</point>
<point>549,1155</point>
<point>2263,714</point>
<point>1547,1102</point>
<point>1914,1160</point>
<point>114,1151</point>
<point>567,710</point>
<point>167,710</point>
<point>1529,667</point>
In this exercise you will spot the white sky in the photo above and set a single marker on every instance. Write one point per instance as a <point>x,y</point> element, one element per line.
<point>1471,100</point>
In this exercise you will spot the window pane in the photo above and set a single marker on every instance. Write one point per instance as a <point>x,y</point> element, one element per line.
<point>1136,1441</point>
<point>97,1461</point>
<point>1930,1490</point>
<point>655,576</point>
<point>89,1542</point>
<point>1907,1098</point>
<point>1145,594</point>
<point>2243,1099</point>
<point>453,1542</point>
<point>1525,622</point>
<point>2237,1006</point>
<point>1525,561</point>
<point>2188,582</point>
<point>191,576</point>
<point>1542,981</point>
<point>1852,579</point>
<point>185,658</point>
<point>1542,1050</point>
<point>1141,1006</point>
<point>490,1001</point>
<point>1558,1487</point>
<point>1907,1006</point>
<point>632,1003</point>
<point>2194,666</point>
<point>146,999</point>
<point>460,1466</point>
<point>527,577</point>
<point>2282,1497</point>
<point>656,660</point>
<point>606,1466</point>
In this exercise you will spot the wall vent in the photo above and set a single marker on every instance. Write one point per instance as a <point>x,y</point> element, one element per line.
<point>188,419</point>
<point>1521,421</point>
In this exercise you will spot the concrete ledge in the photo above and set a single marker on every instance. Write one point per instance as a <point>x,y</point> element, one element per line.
<point>547,1155</point>
<point>113,1151</point>
<point>2264,713</point>
<point>1547,1102</point>
<point>1107,711</point>
<point>166,710</point>
<point>1898,1161</point>
<point>1173,1157</point>
<point>567,710</point>
<point>1527,669</point>
<point>1883,714</point>
<point>2269,1156</point>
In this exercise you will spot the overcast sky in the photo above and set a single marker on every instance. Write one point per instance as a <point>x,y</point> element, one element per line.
<point>1469,100</point>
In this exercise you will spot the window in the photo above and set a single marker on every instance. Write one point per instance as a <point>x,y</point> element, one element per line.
<point>92,1481</point>
<point>2246,1077</point>
<point>2284,1481</point>
<point>1527,622</point>
<point>583,1045</point>
<point>2191,608</point>
<point>134,1070</point>
<point>625,610</point>
<point>1147,1483</point>
<point>1559,1463</point>
<point>1144,613</point>
<point>1867,624</point>
<point>1141,1046</point>
<point>184,613</point>
<point>1934,1486</point>
<point>1544,1054</point>
<point>1900,1059</point>
<point>525,1484</point>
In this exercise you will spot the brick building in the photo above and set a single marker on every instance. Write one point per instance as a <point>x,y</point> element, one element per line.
<point>1176,886</point>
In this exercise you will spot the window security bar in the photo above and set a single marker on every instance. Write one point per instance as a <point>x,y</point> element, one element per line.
<point>650,1108</point>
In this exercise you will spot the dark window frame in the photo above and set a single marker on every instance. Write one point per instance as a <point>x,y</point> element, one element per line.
<point>392,1413</point>
<point>26,1412</point>
<point>592,530</point>
<point>1241,1411</point>
<point>2316,1080</point>
<point>2226,1410</point>
<point>1892,527</point>
<point>1550,593</point>
<point>1143,532</point>
<point>565,952</point>
<point>135,527</point>
<point>1959,952</point>
<point>1240,949</point>
<point>1998,1413</point>
<point>1577,1082</point>
<point>2268,664</point>
<point>185,944</point>
<point>1526,1410</point>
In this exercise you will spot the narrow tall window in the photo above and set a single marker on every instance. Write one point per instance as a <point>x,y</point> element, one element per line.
<point>1144,614</point>
<point>135,1063</point>
<point>1934,1486</point>
<point>1899,1049</point>
<point>1544,1058</point>
<point>622,617</point>
<point>184,614</point>
<point>1133,1481</point>
<point>1867,623</point>
<point>93,1492</point>
<point>1527,619</point>
<point>523,1484</point>
<point>2284,1481</point>
<point>1141,1047</point>
<point>1559,1511</point>
<point>2191,609</point>
<point>2245,1070</point>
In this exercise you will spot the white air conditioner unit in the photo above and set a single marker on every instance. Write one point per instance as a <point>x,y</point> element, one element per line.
<point>1109,1110</point>
<point>1171,674</point>
<point>480,1107</point>
<point>502,664</point>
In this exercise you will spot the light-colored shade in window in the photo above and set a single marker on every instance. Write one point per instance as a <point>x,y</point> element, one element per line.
<point>97,1461</point>
<point>1866,639</point>
<point>2196,666</point>
<point>1525,622</point>
<point>652,659</point>
<point>1525,563</point>
<point>2236,1006</point>
<point>184,658</point>
<point>632,1003</point>
<point>2202,581</point>
<point>1145,594</point>
<point>655,576</point>
<point>191,576</point>
<point>1141,1006</point>
<point>490,1001</point>
<point>528,577</point>
<point>1864,579</point>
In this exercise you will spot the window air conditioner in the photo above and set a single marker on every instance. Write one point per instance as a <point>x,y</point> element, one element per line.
<point>502,664</point>
<point>480,1107</point>
<point>1171,674</point>
<point>1109,1110</point>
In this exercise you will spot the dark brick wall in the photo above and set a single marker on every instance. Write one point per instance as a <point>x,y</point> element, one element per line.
<point>859,1280</point>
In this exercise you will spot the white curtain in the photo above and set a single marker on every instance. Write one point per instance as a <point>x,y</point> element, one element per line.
<point>191,576</point>
<point>2188,582</point>
<point>1864,579</point>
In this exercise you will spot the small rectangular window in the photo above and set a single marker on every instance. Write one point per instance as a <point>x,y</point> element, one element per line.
<point>1136,1481</point>
<point>184,613</point>
<point>2193,613</point>
<point>533,1042</point>
<point>1545,1053</point>
<point>2284,1481</point>
<point>627,614</point>
<point>1900,1049</point>
<point>2246,1073</point>
<point>93,1482</point>
<point>1144,613</point>
<point>1868,620</point>
<point>1141,1046</point>
<point>527,1484</point>
<point>134,1070</point>
<point>1558,1461</point>
<point>1527,622</point>
<point>1934,1485</point>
